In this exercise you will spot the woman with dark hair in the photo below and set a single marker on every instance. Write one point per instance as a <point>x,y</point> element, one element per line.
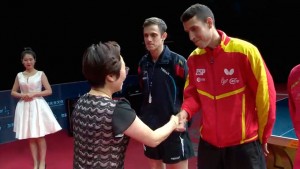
<point>102,125</point>
<point>33,117</point>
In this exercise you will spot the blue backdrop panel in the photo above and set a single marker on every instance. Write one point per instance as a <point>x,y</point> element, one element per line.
<point>56,101</point>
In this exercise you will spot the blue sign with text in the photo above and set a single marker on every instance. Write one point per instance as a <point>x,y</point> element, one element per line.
<point>56,101</point>
<point>61,93</point>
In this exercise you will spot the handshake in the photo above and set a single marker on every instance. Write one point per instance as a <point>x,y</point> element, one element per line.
<point>180,120</point>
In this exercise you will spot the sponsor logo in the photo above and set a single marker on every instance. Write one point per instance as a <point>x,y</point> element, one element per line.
<point>228,72</point>
<point>224,81</point>
<point>200,72</point>
<point>175,158</point>
<point>145,75</point>
<point>234,80</point>
<point>231,81</point>
<point>165,71</point>
<point>199,79</point>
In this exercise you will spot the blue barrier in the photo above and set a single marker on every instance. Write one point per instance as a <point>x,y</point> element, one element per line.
<point>57,102</point>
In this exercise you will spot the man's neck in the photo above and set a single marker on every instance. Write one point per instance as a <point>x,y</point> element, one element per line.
<point>156,53</point>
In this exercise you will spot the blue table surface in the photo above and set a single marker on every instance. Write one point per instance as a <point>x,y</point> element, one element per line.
<point>283,125</point>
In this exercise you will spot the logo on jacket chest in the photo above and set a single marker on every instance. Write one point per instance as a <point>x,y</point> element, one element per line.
<point>228,78</point>
<point>199,73</point>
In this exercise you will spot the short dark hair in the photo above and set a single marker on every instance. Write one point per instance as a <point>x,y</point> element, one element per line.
<point>28,50</point>
<point>100,60</point>
<point>156,21</point>
<point>202,12</point>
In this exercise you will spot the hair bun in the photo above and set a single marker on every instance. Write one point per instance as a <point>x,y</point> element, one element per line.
<point>27,48</point>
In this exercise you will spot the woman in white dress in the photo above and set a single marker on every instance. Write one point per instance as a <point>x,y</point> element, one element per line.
<point>33,117</point>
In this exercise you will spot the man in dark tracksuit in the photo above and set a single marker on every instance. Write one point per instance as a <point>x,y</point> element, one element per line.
<point>162,75</point>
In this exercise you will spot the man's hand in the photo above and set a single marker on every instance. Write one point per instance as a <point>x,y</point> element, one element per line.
<point>265,149</point>
<point>182,115</point>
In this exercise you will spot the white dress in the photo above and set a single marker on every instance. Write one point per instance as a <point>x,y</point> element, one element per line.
<point>34,118</point>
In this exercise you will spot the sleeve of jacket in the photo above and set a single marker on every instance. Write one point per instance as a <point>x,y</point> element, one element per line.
<point>291,102</point>
<point>293,97</point>
<point>181,68</point>
<point>265,95</point>
<point>181,71</point>
<point>191,102</point>
<point>140,75</point>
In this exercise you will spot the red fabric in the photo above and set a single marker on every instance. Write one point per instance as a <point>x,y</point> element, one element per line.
<point>221,77</point>
<point>294,105</point>
<point>179,71</point>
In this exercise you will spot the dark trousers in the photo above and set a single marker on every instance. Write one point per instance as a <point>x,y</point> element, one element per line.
<point>245,156</point>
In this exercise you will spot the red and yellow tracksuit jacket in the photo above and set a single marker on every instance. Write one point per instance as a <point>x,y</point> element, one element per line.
<point>293,87</point>
<point>233,90</point>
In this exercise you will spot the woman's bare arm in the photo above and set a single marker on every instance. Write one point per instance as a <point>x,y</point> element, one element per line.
<point>142,133</point>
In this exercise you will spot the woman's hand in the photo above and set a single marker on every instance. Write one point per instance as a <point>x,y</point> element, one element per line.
<point>27,97</point>
<point>175,119</point>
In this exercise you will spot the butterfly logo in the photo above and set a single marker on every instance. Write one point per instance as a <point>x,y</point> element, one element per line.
<point>228,72</point>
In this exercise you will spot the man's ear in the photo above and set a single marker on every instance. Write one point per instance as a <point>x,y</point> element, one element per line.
<point>164,36</point>
<point>210,22</point>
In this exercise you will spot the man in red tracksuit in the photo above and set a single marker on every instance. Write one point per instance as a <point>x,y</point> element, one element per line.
<point>230,84</point>
<point>294,105</point>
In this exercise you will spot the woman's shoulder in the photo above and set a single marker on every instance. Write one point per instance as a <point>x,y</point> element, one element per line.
<point>123,103</point>
<point>40,71</point>
<point>89,98</point>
